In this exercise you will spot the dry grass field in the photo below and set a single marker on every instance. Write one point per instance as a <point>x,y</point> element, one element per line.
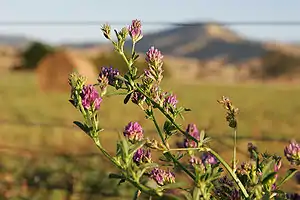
<point>35,122</point>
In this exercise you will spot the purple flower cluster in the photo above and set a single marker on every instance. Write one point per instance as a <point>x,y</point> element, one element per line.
<point>135,30</point>
<point>206,159</point>
<point>171,100</point>
<point>192,131</point>
<point>209,158</point>
<point>245,168</point>
<point>137,98</point>
<point>90,97</point>
<point>292,153</point>
<point>142,156</point>
<point>109,73</point>
<point>154,57</point>
<point>162,177</point>
<point>133,132</point>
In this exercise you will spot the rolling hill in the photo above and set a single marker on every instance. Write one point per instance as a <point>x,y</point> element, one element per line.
<point>203,42</point>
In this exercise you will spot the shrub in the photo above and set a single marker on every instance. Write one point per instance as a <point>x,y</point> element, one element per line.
<point>276,63</point>
<point>34,53</point>
<point>211,176</point>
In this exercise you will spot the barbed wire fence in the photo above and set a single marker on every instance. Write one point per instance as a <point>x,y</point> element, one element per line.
<point>149,23</point>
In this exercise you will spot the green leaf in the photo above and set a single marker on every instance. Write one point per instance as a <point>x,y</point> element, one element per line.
<point>121,78</point>
<point>127,98</point>
<point>196,193</point>
<point>267,168</point>
<point>115,176</point>
<point>173,185</point>
<point>124,145</point>
<point>187,109</point>
<point>115,93</point>
<point>149,165</point>
<point>187,195</point>
<point>268,177</point>
<point>144,167</point>
<point>81,126</point>
<point>290,173</point>
<point>136,147</point>
<point>202,136</point>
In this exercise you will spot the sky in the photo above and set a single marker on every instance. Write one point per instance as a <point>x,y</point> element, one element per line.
<point>146,11</point>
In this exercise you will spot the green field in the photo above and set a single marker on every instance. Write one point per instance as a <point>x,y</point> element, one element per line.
<point>39,124</point>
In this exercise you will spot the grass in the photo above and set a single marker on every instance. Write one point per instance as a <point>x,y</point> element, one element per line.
<point>32,119</point>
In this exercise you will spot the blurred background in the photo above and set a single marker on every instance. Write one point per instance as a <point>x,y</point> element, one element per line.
<point>249,51</point>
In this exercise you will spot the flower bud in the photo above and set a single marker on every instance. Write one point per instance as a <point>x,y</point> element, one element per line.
<point>110,74</point>
<point>292,153</point>
<point>142,156</point>
<point>106,31</point>
<point>90,98</point>
<point>135,30</point>
<point>192,131</point>
<point>162,177</point>
<point>133,131</point>
<point>208,158</point>
<point>154,57</point>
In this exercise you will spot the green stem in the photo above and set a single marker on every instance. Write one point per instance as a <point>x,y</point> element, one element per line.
<point>233,175</point>
<point>125,59</point>
<point>142,188</point>
<point>196,193</point>
<point>168,153</point>
<point>136,195</point>
<point>234,150</point>
<point>133,48</point>
<point>106,154</point>
<point>157,127</point>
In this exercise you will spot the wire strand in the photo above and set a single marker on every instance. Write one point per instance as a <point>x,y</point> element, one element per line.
<point>151,23</point>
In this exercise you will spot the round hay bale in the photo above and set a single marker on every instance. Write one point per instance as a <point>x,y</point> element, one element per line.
<point>53,70</point>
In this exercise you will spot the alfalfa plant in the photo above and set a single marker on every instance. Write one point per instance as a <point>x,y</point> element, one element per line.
<point>211,175</point>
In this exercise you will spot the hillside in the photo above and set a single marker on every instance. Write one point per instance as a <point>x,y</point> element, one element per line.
<point>195,40</point>
<point>18,41</point>
<point>203,42</point>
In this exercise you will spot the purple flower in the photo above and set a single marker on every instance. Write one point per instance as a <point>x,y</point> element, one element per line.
<point>171,100</point>
<point>277,166</point>
<point>150,75</point>
<point>235,195</point>
<point>162,177</point>
<point>195,160</point>
<point>246,167</point>
<point>252,149</point>
<point>135,30</point>
<point>138,98</point>
<point>110,74</point>
<point>209,159</point>
<point>154,57</point>
<point>142,156</point>
<point>192,131</point>
<point>133,131</point>
<point>90,97</point>
<point>292,153</point>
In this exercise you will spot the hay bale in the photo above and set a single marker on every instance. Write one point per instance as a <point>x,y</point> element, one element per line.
<point>53,70</point>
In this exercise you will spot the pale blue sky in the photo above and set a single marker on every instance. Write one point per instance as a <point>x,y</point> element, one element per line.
<point>150,10</point>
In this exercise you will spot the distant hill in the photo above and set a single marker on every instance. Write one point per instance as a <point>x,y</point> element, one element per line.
<point>194,41</point>
<point>18,41</point>
<point>203,42</point>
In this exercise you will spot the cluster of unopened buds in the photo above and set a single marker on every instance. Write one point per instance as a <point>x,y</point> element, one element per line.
<point>134,157</point>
